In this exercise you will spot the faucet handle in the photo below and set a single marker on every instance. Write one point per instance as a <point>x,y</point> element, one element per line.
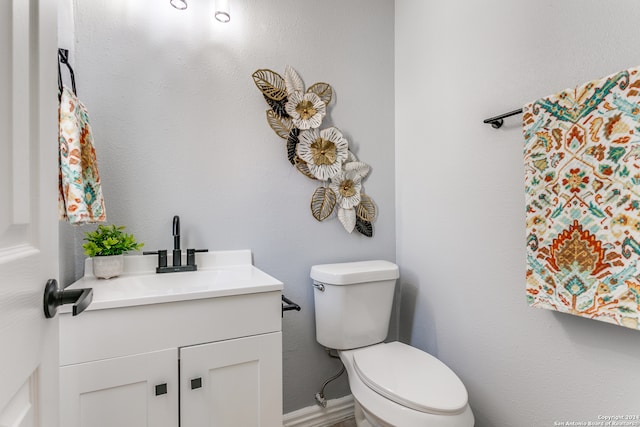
<point>162,256</point>
<point>191,255</point>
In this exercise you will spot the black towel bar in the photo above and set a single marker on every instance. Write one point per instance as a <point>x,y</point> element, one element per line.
<point>497,121</point>
<point>288,305</point>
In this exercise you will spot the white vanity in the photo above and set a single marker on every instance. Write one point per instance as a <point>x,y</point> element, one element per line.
<point>187,349</point>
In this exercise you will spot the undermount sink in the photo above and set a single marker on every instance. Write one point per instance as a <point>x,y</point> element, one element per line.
<point>219,274</point>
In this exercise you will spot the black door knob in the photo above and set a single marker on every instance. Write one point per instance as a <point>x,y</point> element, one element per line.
<point>54,297</point>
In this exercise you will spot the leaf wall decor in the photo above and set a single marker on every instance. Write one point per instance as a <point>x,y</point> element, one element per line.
<point>292,142</point>
<point>271,84</point>
<point>296,116</point>
<point>277,106</point>
<point>302,167</point>
<point>322,203</point>
<point>348,218</point>
<point>364,227</point>
<point>281,125</point>
<point>366,210</point>
<point>292,81</point>
<point>323,90</point>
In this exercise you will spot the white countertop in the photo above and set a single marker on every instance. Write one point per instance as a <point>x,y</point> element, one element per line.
<point>219,274</point>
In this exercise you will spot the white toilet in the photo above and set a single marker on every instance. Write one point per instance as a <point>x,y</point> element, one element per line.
<point>393,384</point>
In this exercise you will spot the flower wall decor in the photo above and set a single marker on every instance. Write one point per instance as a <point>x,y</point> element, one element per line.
<point>323,154</point>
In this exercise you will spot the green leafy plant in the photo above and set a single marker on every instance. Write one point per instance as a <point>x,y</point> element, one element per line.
<point>109,240</point>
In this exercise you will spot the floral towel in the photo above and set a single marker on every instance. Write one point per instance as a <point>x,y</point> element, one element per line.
<point>582,181</point>
<point>80,198</point>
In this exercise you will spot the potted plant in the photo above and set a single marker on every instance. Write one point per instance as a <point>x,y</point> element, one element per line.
<point>106,246</point>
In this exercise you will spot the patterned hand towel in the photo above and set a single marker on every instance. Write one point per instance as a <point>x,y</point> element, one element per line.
<point>80,198</point>
<point>582,182</point>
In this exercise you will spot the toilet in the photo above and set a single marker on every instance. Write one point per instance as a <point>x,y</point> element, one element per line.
<point>393,384</point>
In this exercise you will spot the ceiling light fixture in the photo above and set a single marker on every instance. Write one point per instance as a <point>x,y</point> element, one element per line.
<point>179,4</point>
<point>222,11</point>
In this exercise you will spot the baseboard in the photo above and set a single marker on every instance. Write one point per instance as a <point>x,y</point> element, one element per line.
<point>337,410</point>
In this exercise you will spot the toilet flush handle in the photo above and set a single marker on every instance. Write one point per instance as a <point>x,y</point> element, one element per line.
<point>319,286</point>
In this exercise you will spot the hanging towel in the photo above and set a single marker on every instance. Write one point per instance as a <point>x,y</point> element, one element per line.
<point>80,198</point>
<point>582,183</point>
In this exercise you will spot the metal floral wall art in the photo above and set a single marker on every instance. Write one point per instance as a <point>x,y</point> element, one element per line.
<point>323,154</point>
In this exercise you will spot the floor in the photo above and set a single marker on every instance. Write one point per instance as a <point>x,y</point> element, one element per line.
<point>347,423</point>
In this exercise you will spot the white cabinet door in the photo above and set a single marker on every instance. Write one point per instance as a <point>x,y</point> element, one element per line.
<point>131,391</point>
<point>232,383</point>
<point>28,212</point>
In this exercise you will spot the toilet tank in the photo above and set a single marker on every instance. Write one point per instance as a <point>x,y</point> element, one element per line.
<point>353,302</point>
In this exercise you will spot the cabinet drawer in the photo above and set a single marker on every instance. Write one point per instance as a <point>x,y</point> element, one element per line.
<point>116,332</point>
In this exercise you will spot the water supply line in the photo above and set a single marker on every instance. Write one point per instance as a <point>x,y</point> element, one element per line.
<point>319,397</point>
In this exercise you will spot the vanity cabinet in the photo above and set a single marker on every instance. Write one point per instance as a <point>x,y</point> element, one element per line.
<point>227,384</point>
<point>193,360</point>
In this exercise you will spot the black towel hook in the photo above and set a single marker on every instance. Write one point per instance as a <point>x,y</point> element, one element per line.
<point>63,57</point>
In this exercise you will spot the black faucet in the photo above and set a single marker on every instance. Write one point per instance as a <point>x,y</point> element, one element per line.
<point>177,254</point>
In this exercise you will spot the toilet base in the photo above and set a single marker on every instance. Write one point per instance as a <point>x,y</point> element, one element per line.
<point>366,419</point>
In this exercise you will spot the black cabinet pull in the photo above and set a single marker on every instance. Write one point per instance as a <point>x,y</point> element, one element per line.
<point>161,389</point>
<point>196,383</point>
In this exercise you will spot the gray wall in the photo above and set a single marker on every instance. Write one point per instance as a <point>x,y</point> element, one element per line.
<point>180,129</point>
<point>460,203</point>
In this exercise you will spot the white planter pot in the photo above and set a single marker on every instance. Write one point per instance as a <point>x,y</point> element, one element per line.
<point>106,267</point>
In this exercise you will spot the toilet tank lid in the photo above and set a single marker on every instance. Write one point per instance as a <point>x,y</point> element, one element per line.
<point>347,273</point>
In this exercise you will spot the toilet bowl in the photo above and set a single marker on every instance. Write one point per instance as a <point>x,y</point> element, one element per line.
<point>393,384</point>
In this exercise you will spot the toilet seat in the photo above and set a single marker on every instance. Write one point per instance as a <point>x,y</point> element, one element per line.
<point>411,378</point>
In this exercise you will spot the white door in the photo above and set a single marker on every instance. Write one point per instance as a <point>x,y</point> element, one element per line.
<point>28,209</point>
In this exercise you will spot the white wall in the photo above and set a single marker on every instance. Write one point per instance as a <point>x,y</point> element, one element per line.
<point>180,128</point>
<point>460,202</point>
